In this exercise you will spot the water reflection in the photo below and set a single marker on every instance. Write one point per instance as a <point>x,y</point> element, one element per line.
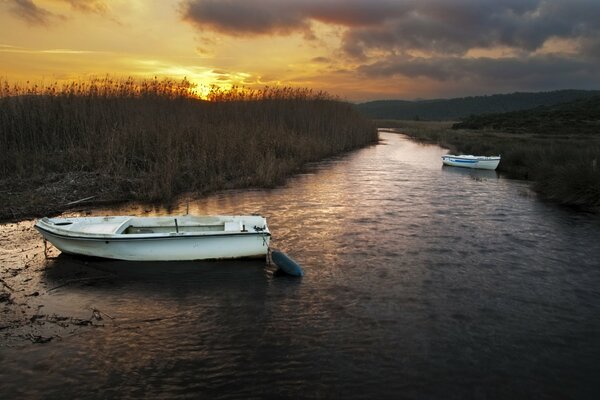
<point>410,290</point>
<point>172,276</point>
<point>471,172</point>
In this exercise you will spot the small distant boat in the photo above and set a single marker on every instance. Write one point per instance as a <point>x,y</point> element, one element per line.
<point>170,238</point>
<point>469,161</point>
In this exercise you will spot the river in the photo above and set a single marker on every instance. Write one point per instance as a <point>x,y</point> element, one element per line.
<point>420,282</point>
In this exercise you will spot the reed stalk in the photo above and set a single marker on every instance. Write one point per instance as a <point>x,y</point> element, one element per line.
<point>151,140</point>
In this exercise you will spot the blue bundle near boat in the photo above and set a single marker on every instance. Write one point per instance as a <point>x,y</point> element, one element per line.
<point>286,264</point>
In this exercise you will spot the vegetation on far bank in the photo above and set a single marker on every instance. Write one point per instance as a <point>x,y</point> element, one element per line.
<point>458,108</point>
<point>573,118</point>
<point>563,168</point>
<point>151,140</point>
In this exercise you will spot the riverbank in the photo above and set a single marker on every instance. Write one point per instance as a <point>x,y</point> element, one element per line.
<point>563,168</point>
<point>111,141</point>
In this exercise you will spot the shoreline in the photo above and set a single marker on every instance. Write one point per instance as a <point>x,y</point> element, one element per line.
<point>105,146</point>
<point>27,200</point>
<point>561,169</point>
<point>27,317</point>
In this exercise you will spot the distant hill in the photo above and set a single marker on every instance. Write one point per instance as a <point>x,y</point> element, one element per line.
<point>459,108</point>
<point>577,117</point>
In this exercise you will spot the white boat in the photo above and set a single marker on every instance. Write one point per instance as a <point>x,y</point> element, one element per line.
<point>469,161</point>
<point>171,238</point>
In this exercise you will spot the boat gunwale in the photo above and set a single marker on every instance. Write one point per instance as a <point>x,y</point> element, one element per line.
<point>149,236</point>
<point>472,158</point>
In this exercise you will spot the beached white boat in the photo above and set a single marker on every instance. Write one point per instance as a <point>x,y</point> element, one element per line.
<point>168,238</point>
<point>469,161</point>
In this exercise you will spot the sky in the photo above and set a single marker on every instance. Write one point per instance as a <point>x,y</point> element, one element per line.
<point>358,50</point>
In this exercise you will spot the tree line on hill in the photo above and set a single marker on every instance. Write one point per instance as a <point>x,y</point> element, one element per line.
<point>577,117</point>
<point>461,108</point>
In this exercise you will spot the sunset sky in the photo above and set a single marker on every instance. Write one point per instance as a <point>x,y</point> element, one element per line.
<point>356,49</point>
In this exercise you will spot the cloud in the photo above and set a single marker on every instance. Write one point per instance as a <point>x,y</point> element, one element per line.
<point>443,34</point>
<point>15,49</point>
<point>442,26</point>
<point>31,13</point>
<point>321,60</point>
<point>520,73</point>
<point>434,40</point>
<point>88,6</point>
<point>5,48</point>
<point>268,17</point>
<point>238,18</point>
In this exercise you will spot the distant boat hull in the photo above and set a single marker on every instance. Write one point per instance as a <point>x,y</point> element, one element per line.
<point>159,238</point>
<point>469,161</point>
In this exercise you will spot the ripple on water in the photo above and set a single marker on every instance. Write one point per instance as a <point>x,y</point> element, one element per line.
<point>421,281</point>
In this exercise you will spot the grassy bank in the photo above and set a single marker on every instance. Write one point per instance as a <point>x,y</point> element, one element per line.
<point>563,168</point>
<point>151,140</point>
<point>574,118</point>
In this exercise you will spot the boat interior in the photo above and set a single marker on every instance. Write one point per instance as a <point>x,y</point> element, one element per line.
<point>169,229</point>
<point>160,225</point>
<point>181,226</point>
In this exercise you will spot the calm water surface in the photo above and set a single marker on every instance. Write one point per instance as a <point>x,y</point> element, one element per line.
<point>421,282</point>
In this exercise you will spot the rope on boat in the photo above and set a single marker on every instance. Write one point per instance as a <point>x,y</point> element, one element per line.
<point>264,238</point>
<point>46,256</point>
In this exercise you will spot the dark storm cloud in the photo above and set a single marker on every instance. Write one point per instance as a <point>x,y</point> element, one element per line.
<point>455,27</point>
<point>240,17</point>
<point>436,25</point>
<point>382,36</point>
<point>488,75</point>
<point>244,17</point>
<point>591,48</point>
<point>508,69</point>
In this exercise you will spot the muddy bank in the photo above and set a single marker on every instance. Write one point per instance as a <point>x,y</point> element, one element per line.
<point>47,296</point>
<point>26,312</point>
<point>56,193</point>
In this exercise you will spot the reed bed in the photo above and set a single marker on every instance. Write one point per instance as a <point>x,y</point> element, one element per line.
<point>150,140</point>
<point>563,168</point>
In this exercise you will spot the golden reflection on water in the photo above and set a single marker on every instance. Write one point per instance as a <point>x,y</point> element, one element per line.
<point>407,265</point>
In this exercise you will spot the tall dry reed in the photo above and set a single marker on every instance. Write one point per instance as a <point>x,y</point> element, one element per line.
<point>156,138</point>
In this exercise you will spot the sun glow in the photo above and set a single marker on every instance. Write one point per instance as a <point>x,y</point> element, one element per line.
<point>367,50</point>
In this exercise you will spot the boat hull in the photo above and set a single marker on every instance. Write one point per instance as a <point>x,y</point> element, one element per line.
<point>173,246</point>
<point>490,163</point>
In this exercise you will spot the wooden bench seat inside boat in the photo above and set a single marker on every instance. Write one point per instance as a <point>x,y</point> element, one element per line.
<point>167,229</point>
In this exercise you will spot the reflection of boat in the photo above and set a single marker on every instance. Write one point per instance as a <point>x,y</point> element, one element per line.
<point>469,161</point>
<point>159,238</point>
<point>471,172</point>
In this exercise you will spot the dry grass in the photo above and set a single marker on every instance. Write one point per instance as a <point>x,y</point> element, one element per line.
<point>155,139</point>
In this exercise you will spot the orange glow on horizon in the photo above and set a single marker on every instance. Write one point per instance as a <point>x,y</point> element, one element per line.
<point>362,51</point>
